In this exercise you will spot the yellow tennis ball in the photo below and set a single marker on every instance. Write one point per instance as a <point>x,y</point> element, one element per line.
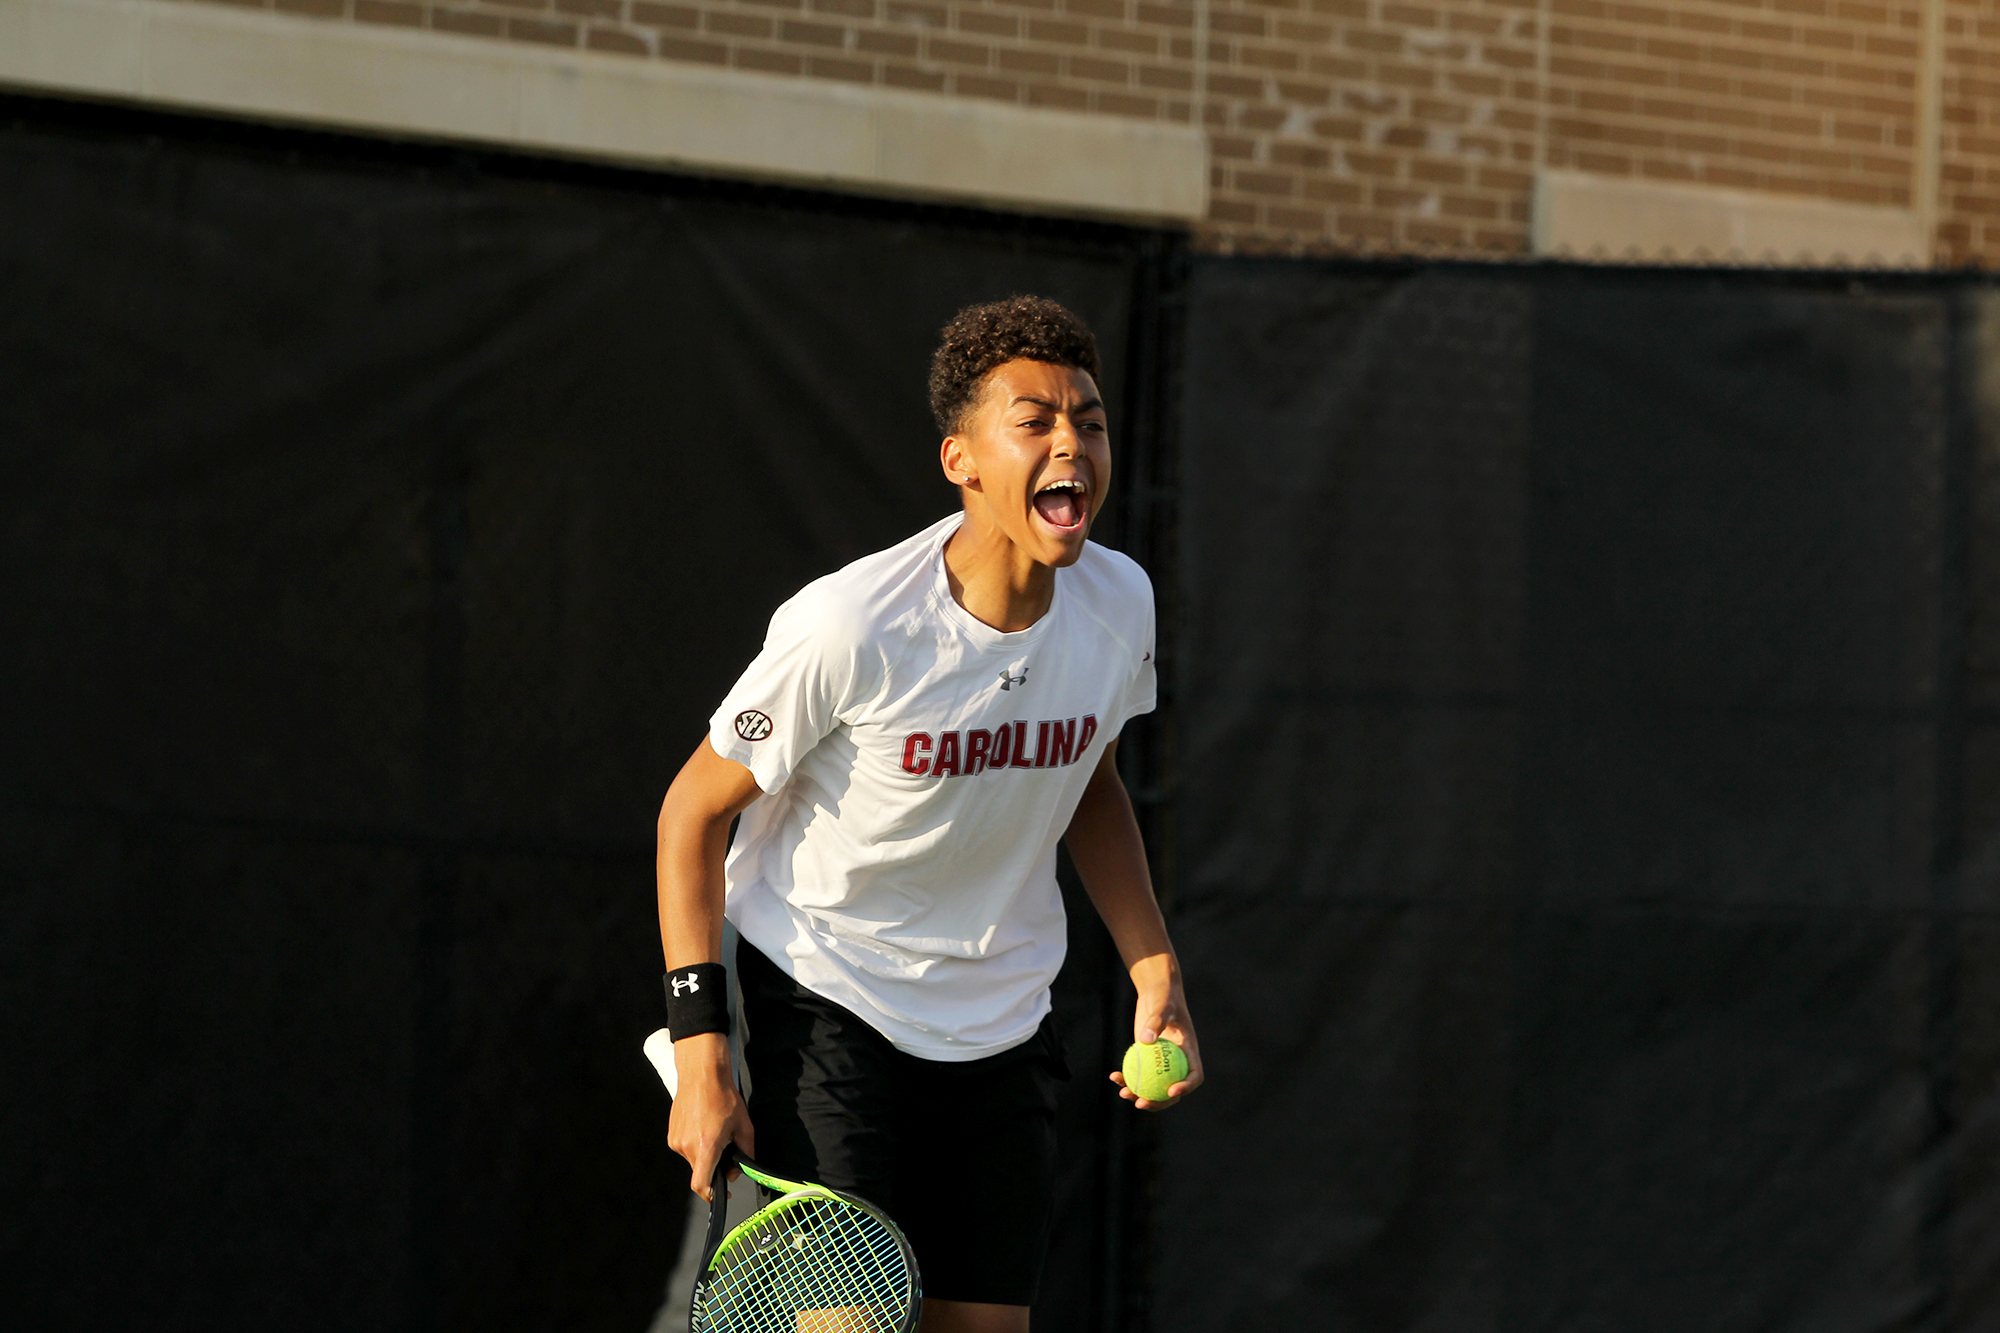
<point>1152,1068</point>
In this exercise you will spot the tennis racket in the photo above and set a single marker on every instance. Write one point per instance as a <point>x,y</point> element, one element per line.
<point>813,1260</point>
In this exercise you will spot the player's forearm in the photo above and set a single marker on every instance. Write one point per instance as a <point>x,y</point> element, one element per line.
<point>1110,856</point>
<point>693,840</point>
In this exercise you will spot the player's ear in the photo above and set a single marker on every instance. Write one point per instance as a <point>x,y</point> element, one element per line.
<point>957,466</point>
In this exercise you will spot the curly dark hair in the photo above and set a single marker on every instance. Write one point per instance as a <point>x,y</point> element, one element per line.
<point>981,337</point>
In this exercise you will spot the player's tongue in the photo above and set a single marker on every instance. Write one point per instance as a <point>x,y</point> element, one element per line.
<point>1062,508</point>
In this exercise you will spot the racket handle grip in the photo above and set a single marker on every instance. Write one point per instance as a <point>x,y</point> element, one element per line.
<point>718,1205</point>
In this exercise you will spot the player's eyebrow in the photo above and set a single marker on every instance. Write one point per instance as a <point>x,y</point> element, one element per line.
<point>1088,405</point>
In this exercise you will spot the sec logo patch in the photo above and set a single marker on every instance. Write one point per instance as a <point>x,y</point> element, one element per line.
<point>752,725</point>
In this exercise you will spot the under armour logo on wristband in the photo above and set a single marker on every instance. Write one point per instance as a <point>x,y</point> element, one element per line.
<point>697,1000</point>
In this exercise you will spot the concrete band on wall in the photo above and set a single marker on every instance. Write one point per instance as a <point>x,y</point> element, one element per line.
<point>1583,216</point>
<point>606,107</point>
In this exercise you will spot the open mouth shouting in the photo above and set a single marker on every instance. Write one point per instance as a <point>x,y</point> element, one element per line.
<point>1064,505</point>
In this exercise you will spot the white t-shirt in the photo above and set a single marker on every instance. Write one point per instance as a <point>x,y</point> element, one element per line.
<point>919,768</point>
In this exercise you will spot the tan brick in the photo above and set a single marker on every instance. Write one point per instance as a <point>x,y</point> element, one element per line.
<point>1329,189</point>
<point>664,16</point>
<point>770,62</point>
<point>1298,219</point>
<point>1124,104</point>
<point>1265,182</point>
<point>957,53</point>
<point>1276,58</point>
<point>616,39</point>
<point>1337,127</point>
<point>738,25</point>
<point>1243,25</point>
<point>1099,71</point>
<point>1397,197</point>
<point>1611,164</point>
<point>679,48</point>
<point>1370,164</point>
<point>597,9</point>
<point>1438,173</point>
<point>1365,225</point>
<point>1372,41</point>
<point>979,85</point>
<point>1470,206</point>
<point>1029,62</point>
<point>1304,34</point>
<point>992,25</point>
<point>1765,32</point>
<point>459,20</point>
<point>1138,43</point>
<point>886,43</point>
<point>395,13</point>
<point>1406,76</point>
<point>1049,94</point>
<point>1436,112</point>
<point>319,9</point>
<point>903,76</point>
<point>812,34</point>
<point>389,11</point>
<point>1054,30</point>
<point>857,9</point>
<point>1337,67</point>
<point>1166,16</point>
<point>542,32</point>
<point>1299,155</point>
<point>1484,86</point>
<point>1498,178</point>
<point>849,71</point>
<point>921,15</point>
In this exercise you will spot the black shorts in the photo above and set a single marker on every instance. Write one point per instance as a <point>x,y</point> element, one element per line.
<point>961,1155</point>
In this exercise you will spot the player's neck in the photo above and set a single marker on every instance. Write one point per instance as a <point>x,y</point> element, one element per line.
<point>996,582</point>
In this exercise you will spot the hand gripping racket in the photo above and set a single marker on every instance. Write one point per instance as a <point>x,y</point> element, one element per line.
<point>812,1261</point>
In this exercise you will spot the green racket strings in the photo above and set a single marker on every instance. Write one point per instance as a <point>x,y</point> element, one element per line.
<point>805,1264</point>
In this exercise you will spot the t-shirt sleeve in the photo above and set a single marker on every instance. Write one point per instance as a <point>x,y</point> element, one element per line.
<point>1142,694</point>
<point>791,695</point>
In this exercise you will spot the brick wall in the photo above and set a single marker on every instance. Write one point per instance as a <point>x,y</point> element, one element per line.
<point>1969,164</point>
<point>1384,124</point>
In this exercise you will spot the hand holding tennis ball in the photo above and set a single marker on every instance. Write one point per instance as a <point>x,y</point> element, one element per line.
<point>1164,1063</point>
<point>1152,1068</point>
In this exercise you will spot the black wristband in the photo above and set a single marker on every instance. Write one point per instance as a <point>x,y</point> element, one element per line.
<point>697,1000</point>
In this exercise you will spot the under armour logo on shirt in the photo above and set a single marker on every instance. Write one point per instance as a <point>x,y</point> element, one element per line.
<point>690,981</point>
<point>1008,682</point>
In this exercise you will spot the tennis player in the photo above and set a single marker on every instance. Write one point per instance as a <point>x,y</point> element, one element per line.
<point>919,731</point>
